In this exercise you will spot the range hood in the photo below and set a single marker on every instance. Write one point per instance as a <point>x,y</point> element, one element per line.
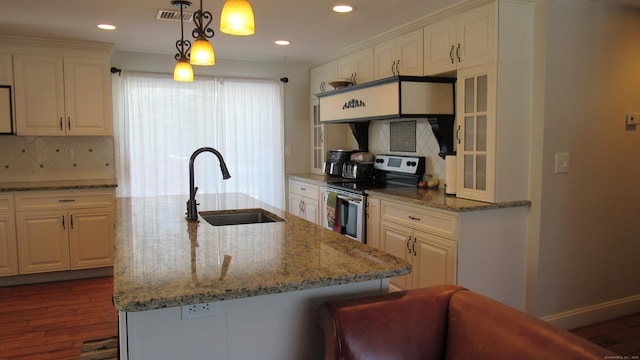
<point>398,97</point>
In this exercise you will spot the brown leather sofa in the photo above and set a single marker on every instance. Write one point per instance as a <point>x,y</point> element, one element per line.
<point>442,322</point>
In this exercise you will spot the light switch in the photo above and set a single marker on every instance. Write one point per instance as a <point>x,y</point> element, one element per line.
<point>562,163</point>
<point>633,119</point>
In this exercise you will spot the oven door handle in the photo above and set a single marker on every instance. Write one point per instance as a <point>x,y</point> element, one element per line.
<point>349,198</point>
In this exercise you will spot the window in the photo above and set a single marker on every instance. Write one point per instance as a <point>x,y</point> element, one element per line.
<point>159,123</point>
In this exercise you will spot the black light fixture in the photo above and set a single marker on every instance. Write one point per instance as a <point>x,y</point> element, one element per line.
<point>183,70</point>
<point>202,51</point>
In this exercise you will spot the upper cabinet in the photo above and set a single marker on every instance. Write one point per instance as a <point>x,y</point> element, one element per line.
<point>6,70</point>
<point>320,76</point>
<point>57,96</point>
<point>461,41</point>
<point>399,56</point>
<point>358,67</point>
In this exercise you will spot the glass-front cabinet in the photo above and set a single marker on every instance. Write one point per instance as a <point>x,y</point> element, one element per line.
<point>476,133</point>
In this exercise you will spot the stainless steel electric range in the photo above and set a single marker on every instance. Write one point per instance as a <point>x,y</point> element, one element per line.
<point>345,199</point>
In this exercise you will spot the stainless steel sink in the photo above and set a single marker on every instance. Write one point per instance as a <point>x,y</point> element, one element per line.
<point>239,217</point>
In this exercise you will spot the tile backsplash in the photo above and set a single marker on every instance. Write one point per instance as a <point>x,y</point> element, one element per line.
<point>426,145</point>
<point>36,158</point>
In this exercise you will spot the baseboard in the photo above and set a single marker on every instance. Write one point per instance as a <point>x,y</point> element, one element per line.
<point>595,313</point>
<point>55,276</point>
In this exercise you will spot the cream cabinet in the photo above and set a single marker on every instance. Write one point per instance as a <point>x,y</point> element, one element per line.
<point>320,76</point>
<point>461,41</point>
<point>65,230</point>
<point>8,242</point>
<point>373,222</point>
<point>6,69</point>
<point>423,237</point>
<point>324,137</point>
<point>494,112</point>
<point>357,66</point>
<point>483,250</point>
<point>58,96</point>
<point>402,55</point>
<point>304,200</point>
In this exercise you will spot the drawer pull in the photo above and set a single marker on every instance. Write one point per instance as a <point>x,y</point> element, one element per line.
<point>414,218</point>
<point>66,200</point>
<point>303,189</point>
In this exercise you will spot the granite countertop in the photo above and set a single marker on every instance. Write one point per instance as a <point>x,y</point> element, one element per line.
<point>57,185</point>
<point>425,197</point>
<point>164,261</point>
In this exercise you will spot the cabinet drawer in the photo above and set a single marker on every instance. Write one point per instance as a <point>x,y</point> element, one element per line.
<point>416,217</point>
<point>6,204</point>
<point>63,199</point>
<point>303,189</point>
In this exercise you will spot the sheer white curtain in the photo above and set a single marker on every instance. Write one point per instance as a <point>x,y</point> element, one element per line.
<point>160,122</point>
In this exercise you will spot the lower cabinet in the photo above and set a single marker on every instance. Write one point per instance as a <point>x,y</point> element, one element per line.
<point>8,242</point>
<point>304,201</point>
<point>64,230</point>
<point>482,250</point>
<point>433,258</point>
<point>424,238</point>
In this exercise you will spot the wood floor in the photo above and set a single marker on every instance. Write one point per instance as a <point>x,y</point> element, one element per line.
<point>51,321</point>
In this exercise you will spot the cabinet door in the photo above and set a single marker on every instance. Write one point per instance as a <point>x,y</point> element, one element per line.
<point>39,98</point>
<point>476,135</point>
<point>295,204</point>
<point>358,66</point>
<point>373,222</point>
<point>440,47</point>
<point>91,238</point>
<point>311,210</point>
<point>410,52</point>
<point>396,240</point>
<point>435,260</point>
<point>87,96</point>
<point>43,243</point>
<point>384,59</point>
<point>477,36</point>
<point>8,246</point>
<point>324,137</point>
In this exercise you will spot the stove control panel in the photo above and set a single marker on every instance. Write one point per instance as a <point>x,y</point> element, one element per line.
<point>400,164</point>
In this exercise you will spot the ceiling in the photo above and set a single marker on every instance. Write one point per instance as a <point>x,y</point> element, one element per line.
<point>313,29</point>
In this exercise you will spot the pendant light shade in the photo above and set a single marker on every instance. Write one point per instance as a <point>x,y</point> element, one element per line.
<point>237,18</point>
<point>183,71</point>
<point>202,53</point>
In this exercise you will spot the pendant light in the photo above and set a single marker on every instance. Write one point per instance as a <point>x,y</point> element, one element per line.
<point>237,18</point>
<point>183,70</point>
<point>202,51</point>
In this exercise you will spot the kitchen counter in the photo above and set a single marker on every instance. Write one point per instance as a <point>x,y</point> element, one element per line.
<point>164,261</point>
<point>425,197</point>
<point>57,185</point>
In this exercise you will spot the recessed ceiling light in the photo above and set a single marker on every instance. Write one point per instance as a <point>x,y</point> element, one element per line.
<point>343,8</point>
<point>282,42</point>
<point>106,26</point>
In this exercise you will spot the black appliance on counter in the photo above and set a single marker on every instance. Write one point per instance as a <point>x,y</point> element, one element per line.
<point>345,199</point>
<point>336,158</point>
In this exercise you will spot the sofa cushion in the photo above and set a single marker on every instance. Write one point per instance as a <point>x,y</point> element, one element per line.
<point>481,328</point>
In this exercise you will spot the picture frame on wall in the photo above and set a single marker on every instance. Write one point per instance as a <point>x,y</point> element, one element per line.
<point>6,111</point>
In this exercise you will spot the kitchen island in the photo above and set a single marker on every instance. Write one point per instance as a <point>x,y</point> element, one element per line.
<point>256,286</point>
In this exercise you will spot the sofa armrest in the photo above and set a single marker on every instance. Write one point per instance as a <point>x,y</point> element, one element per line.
<point>400,325</point>
<point>481,328</point>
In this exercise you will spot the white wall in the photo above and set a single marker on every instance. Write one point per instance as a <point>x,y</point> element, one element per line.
<point>296,112</point>
<point>589,229</point>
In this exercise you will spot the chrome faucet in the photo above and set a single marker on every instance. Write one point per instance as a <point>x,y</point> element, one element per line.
<point>192,206</point>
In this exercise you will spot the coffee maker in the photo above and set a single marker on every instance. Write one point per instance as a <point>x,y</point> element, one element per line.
<point>335,159</point>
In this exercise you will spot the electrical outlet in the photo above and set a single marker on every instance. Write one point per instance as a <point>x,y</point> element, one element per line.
<point>198,311</point>
<point>68,153</point>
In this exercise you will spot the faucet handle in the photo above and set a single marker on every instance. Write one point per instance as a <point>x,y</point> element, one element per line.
<point>195,190</point>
